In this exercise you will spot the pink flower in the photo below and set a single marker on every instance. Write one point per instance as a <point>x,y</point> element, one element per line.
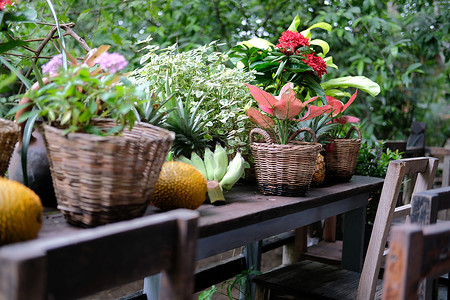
<point>111,62</point>
<point>316,63</point>
<point>53,66</point>
<point>290,41</point>
<point>283,107</point>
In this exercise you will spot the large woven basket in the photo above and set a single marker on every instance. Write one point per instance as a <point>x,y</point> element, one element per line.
<point>284,170</point>
<point>9,134</point>
<point>341,156</point>
<point>104,179</point>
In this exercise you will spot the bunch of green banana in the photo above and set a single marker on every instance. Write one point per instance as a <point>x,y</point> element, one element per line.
<point>220,174</point>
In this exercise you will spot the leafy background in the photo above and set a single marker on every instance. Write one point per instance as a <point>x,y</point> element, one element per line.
<point>402,45</point>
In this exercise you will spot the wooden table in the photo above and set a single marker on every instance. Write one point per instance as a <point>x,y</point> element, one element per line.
<point>249,217</point>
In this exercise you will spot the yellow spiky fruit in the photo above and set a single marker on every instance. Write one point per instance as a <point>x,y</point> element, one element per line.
<point>21,212</point>
<point>319,171</point>
<point>179,185</point>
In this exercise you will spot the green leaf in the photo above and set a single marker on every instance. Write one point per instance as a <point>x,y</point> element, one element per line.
<point>28,130</point>
<point>85,116</point>
<point>116,38</point>
<point>294,24</point>
<point>323,25</point>
<point>22,78</point>
<point>5,47</point>
<point>329,61</point>
<point>324,45</point>
<point>92,106</point>
<point>254,42</point>
<point>27,15</point>
<point>360,82</point>
<point>66,117</point>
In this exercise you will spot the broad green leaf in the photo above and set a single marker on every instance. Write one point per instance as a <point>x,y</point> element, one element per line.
<point>338,94</point>
<point>329,61</point>
<point>360,82</point>
<point>258,43</point>
<point>324,45</point>
<point>294,25</point>
<point>323,25</point>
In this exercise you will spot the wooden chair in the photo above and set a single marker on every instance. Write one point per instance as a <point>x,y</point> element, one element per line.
<point>425,207</point>
<point>415,253</point>
<point>92,260</point>
<point>318,281</point>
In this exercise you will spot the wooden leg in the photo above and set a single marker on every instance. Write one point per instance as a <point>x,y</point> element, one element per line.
<point>252,254</point>
<point>292,252</point>
<point>353,241</point>
<point>329,229</point>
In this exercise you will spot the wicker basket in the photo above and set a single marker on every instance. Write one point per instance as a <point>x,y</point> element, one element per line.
<point>284,170</point>
<point>9,135</point>
<point>100,179</point>
<point>341,156</point>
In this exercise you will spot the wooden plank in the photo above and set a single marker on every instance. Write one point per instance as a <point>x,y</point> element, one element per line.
<point>415,254</point>
<point>76,265</point>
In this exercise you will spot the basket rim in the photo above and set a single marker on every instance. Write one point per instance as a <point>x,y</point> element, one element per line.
<point>77,135</point>
<point>8,125</point>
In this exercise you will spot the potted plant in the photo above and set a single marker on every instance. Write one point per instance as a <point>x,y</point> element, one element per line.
<point>104,164</point>
<point>283,166</point>
<point>334,132</point>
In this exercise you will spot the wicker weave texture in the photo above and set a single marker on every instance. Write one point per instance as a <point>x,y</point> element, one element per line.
<point>101,180</point>
<point>341,161</point>
<point>284,170</point>
<point>9,135</point>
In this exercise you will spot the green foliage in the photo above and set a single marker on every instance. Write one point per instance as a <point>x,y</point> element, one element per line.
<point>374,161</point>
<point>187,123</point>
<point>237,284</point>
<point>401,45</point>
<point>201,73</point>
<point>74,97</point>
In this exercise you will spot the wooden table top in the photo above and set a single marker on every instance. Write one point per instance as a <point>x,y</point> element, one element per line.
<point>245,206</point>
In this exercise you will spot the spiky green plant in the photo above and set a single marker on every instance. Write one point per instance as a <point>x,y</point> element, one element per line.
<point>189,127</point>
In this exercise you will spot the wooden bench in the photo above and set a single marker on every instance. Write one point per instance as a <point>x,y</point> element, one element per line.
<point>75,265</point>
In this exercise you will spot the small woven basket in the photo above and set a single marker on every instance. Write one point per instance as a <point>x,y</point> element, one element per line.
<point>9,135</point>
<point>104,179</point>
<point>284,170</point>
<point>341,157</point>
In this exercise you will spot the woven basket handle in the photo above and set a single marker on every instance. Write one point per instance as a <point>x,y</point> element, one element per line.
<point>262,132</point>
<point>351,130</point>
<point>307,129</point>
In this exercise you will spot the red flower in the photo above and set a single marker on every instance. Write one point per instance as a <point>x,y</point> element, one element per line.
<point>316,63</point>
<point>3,3</point>
<point>290,41</point>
